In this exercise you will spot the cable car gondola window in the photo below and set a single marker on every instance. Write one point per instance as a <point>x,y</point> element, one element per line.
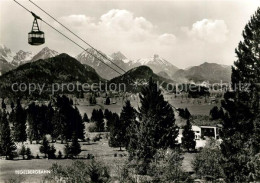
<point>36,36</point>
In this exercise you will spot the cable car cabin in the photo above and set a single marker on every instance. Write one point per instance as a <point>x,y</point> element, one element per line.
<point>36,38</point>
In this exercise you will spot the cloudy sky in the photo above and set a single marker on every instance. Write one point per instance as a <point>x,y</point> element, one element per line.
<point>184,32</point>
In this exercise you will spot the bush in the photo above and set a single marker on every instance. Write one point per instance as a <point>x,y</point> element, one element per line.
<point>79,171</point>
<point>59,155</point>
<point>97,138</point>
<point>90,156</point>
<point>207,163</point>
<point>167,167</point>
<point>29,153</point>
<point>92,127</point>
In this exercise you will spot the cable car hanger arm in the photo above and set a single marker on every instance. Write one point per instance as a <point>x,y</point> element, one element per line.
<point>100,53</point>
<point>71,40</point>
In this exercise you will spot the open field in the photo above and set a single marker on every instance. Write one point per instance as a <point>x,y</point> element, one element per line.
<point>195,106</point>
<point>100,150</point>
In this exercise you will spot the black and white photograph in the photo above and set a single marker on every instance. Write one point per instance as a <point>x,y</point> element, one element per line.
<point>129,91</point>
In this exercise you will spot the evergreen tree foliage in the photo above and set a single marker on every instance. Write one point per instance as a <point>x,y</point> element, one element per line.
<point>28,153</point>
<point>66,120</point>
<point>128,123</point>
<point>12,105</point>
<point>188,139</point>
<point>75,147</point>
<point>92,100</point>
<point>207,163</point>
<point>20,123</point>
<point>59,155</point>
<point>99,120</point>
<point>45,147</point>
<point>23,151</point>
<point>48,117</point>
<point>241,121</point>
<point>7,145</point>
<point>85,118</point>
<point>108,115</point>
<point>214,113</point>
<point>156,129</point>
<point>51,152</point>
<point>3,104</point>
<point>78,125</point>
<point>67,150</point>
<point>116,133</point>
<point>39,121</point>
<point>184,113</point>
<point>107,101</point>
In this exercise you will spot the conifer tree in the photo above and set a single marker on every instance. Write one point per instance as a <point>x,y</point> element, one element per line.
<point>67,150</point>
<point>108,116</point>
<point>28,153</point>
<point>241,121</point>
<point>187,113</point>
<point>107,101</point>
<point>20,123</point>
<point>188,139</point>
<point>45,147</point>
<point>51,152</point>
<point>85,117</point>
<point>117,137</point>
<point>7,145</point>
<point>128,121</point>
<point>3,104</point>
<point>33,123</point>
<point>94,116</point>
<point>75,147</point>
<point>157,129</point>
<point>214,113</point>
<point>49,116</point>
<point>78,125</point>
<point>12,105</point>
<point>23,151</point>
<point>100,121</point>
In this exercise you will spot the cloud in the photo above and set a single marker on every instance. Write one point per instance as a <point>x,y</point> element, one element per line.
<point>120,29</point>
<point>167,39</point>
<point>125,21</point>
<point>76,20</point>
<point>212,31</point>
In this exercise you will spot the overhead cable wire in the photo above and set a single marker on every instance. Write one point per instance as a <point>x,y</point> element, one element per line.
<point>104,56</point>
<point>70,39</point>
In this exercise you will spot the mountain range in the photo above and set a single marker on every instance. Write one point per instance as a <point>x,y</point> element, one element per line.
<point>136,78</point>
<point>59,69</point>
<point>156,63</point>
<point>10,60</point>
<point>211,72</point>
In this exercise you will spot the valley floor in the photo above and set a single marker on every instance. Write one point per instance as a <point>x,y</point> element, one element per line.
<point>99,149</point>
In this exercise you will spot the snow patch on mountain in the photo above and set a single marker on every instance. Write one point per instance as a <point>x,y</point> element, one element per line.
<point>6,54</point>
<point>22,57</point>
<point>44,54</point>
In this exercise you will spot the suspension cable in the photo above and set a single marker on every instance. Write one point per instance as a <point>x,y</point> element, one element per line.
<point>104,56</point>
<point>70,39</point>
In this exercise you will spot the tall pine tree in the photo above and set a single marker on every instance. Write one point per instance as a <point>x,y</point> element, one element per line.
<point>7,145</point>
<point>20,123</point>
<point>157,128</point>
<point>128,121</point>
<point>241,121</point>
<point>188,139</point>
